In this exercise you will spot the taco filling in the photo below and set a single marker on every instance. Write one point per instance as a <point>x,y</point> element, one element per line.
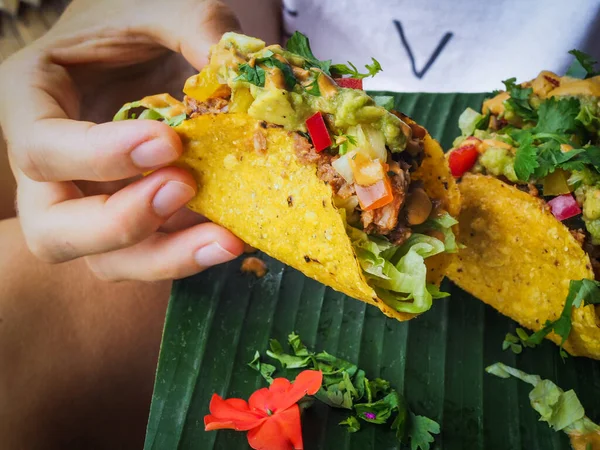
<point>543,137</point>
<point>366,152</point>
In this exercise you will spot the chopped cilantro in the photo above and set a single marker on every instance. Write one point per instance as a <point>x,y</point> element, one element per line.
<point>288,74</point>
<point>420,430</point>
<point>253,75</point>
<point>525,156</point>
<point>352,424</point>
<point>342,141</point>
<point>298,43</point>
<point>287,361</point>
<point>313,87</point>
<point>518,102</point>
<point>266,370</point>
<point>586,292</point>
<point>346,386</point>
<point>257,75</point>
<point>350,69</point>
<point>558,116</point>
<point>583,66</point>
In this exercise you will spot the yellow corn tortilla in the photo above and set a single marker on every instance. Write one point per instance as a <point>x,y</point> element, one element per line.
<point>279,205</point>
<point>519,259</point>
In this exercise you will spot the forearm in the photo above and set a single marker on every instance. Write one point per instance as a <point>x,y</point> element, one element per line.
<point>259,18</point>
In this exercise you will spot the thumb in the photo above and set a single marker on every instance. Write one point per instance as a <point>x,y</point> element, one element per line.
<point>194,28</point>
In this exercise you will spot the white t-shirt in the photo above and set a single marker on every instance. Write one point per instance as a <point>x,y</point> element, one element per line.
<point>456,46</point>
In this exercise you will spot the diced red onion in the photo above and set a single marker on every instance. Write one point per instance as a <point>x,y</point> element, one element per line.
<point>564,207</point>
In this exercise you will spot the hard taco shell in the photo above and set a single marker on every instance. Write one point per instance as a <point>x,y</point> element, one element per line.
<point>277,204</point>
<point>519,259</point>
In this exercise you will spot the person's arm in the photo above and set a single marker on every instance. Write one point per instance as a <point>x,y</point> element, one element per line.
<point>75,193</point>
<point>259,18</point>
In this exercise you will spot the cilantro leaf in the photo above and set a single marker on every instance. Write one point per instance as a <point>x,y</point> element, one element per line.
<point>420,430</point>
<point>342,141</point>
<point>550,156</point>
<point>288,74</point>
<point>381,410</point>
<point>253,75</point>
<point>297,346</point>
<point>519,100</point>
<point>287,361</point>
<point>582,67</point>
<point>558,115</point>
<point>586,292</point>
<point>350,69</point>
<point>352,424</point>
<point>299,44</point>
<point>344,385</point>
<point>313,87</point>
<point>526,155</point>
<point>266,370</point>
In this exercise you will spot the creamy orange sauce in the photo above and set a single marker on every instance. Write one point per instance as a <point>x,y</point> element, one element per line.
<point>164,101</point>
<point>575,87</point>
<point>546,85</point>
<point>545,82</point>
<point>495,105</point>
<point>486,143</point>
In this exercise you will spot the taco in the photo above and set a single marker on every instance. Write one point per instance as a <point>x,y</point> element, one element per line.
<point>299,162</point>
<point>529,165</point>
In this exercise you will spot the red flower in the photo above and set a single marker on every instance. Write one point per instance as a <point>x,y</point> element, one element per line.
<point>271,416</point>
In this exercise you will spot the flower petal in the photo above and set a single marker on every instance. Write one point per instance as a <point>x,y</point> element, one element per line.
<point>260,400</point>
<point>233,413</point>
<point>307,382</point>
<point>290,425</point>
<point>281,431</point>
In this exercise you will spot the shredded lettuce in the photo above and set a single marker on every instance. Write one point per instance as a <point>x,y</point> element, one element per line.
<point>152,112</point>
<point>467,121</point>
<point>589,114</point>
<point>470,120</point>
<point>398,273</point>
<point>561,410</point>
<point>444,225</point>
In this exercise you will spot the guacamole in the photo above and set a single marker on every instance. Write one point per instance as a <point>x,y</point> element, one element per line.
<point>544,134</point>
<point>286,89</point>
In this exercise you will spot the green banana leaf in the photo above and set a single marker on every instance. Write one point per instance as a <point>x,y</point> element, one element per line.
<point>218,319</point>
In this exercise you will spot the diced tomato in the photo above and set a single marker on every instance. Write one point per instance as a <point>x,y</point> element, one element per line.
<point>352,83</point>
<point>366,170</point>
<point>376,195</point>
<point>318,131</point>
<point>462,159</point>
<point>564,207</point>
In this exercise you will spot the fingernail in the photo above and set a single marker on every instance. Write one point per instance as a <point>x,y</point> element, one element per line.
<point>212,254</point>
<point>153,153</point>
<point>172,197</point>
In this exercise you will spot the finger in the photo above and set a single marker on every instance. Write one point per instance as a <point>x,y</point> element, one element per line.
<point>192,30</point>
<point>62,149</point>
<point>182,219</point>
<point>59,230</point>
<point>47,146</point>
<point>169,256</point>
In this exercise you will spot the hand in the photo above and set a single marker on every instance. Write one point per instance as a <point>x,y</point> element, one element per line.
<point>80,193</point>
